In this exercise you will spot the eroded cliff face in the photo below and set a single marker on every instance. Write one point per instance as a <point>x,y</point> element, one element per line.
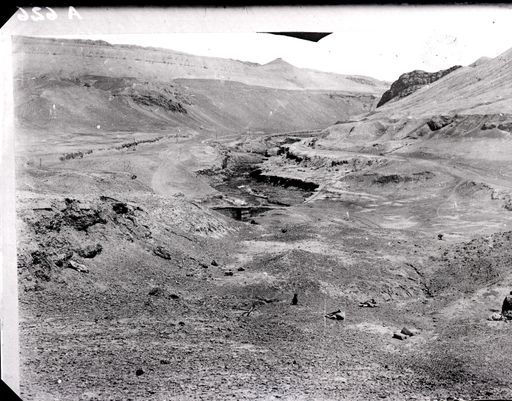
<point>412,81</point>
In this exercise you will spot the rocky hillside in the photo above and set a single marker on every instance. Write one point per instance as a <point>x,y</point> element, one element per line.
<point>484,88</point>
<point>79,85</point>
<point>412,81</point>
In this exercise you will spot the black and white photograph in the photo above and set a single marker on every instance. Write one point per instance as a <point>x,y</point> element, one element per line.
<point>257,203</point>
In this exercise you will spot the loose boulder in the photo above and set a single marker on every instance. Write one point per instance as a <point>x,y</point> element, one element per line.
<point>156,292</point>
<point>438,122</point>
<point>90,251</point>
<point>400,336</point>
<point>62,259</point>
<point>496,317</point>
<point>79,218</point>
<point>336,315</point>
<point>78,267</point>
<point>120,208</point>
<point>371,303</point>
<point>407,332</point>
<point>162,252</point>
<point>506,308</point>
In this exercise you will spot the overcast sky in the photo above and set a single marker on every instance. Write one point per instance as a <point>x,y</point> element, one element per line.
<point>381,42</point>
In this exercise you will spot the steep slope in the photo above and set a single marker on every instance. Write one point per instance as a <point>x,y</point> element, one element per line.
<point>483,89</point>
<point>412,81</point>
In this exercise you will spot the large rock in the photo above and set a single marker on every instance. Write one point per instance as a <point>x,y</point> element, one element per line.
<point>78,267</point>
<point>400,336</point>
<point>336,315</point>
<point>156,292</point>
<point>81,219</point>
<point>412,81</point>
<point>407,331</point>
<point>438,122</point>
<point>496,316</point>
<point>506,308</point>
<point>90,251</point>
<point>162,252</point>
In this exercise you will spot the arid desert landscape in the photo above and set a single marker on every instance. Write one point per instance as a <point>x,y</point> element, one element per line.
<point>198,228</point>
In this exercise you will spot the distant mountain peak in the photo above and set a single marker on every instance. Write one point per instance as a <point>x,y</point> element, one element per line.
<point>279,61</point>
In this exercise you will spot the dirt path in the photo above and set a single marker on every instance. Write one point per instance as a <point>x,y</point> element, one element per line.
<point>179,161</point>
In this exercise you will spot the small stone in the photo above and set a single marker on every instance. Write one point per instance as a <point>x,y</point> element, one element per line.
<point>139,372</point>
<point>283,230</point>
<point>336,315</point>
<point>156,291</point>
<point>90,251</point>
<point>162,252</point>
<point>399,336</point>
<point>496,316</point>
<point>214,263</point>
<point>174,296</point>
<point>406,331</point>
<point>371,303</point>
<point>78,267</point>
<point>339,316</point>
<point>120,208</point>
<point>228,273</point>
<point>295,299</point>
<point>241,269</point>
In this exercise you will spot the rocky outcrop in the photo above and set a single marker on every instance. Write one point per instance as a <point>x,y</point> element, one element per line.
<point>505,126</point>
<point>412,81</point>
<point>438,122</point>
